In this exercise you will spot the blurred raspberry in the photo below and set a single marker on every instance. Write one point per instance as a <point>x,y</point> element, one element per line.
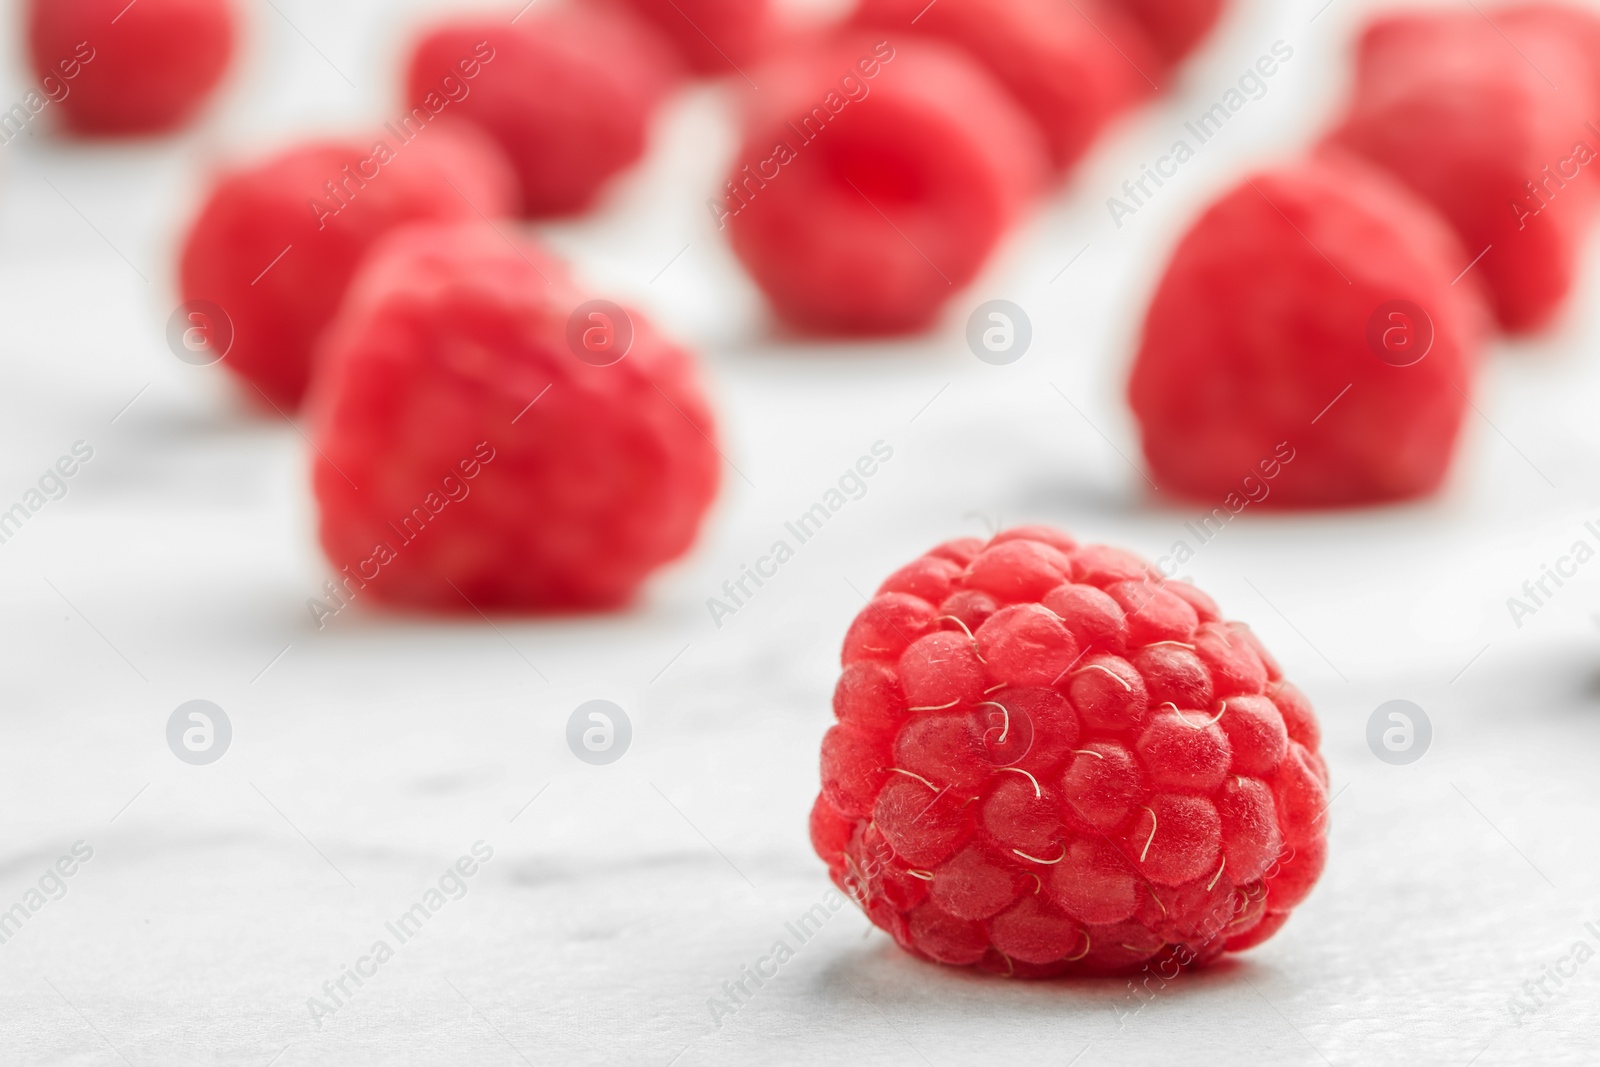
<point>468,458</point>
<point>276,242</point>
<point>1173,27</point>
<point>129,68</point>
<point>568,93</point>
<point>713,36</point>
<point>1476,126</point>
<point>1306,346</point>
<point>1043,796</point>
<point>1071,68</point>
<point>874,180</point>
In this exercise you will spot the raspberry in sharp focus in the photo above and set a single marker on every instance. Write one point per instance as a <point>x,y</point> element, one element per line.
<point>277,242</point>
<point>874,180</point>
<point>1071,68</point>
<point>1173,27</point>
<point>1271,360</point>
<point>1010,826</point>
<point>119,68</point>
<point>568,94</point>
<point>467,458</point>
<point>1475,126</point>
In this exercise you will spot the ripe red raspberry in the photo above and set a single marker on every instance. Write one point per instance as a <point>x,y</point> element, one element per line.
<point>1071,68</point>
<point>130,68</point>
<point>1174,27</point>
<point>467,458</point>
<point>1091,772</point>
<point>277,241</point>
<point>874,180</point>
<point>568,94</point>
<point>1272,359</point>
<point>713,36</point>
<point>1475,125</point>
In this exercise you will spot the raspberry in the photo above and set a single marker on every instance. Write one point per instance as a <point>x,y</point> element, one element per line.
<point>129,69</point>
<point>1473,126</point>
<point>874,181</point>
<point>1072,70</point>
<point>567,94</point>
<point>712,36</point>
<point>1046,818</point>
<point>277,242</point>
<point>448,478</point>
<point>1258,379</point>
<point>1173,27</point>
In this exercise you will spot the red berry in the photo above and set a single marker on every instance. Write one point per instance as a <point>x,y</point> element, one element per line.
<point>567,94</point>
<point>1109,693</point>
<point>928,578</point>
<point>869,697</point>
<point>1071,68</point>
<point>1033,932</point>
<point>432,397</point>
<point>1257,376</point>
<point>924,827</point>
<point>1233,662</point>
<point>891,622</point>
<point>874,180</point>
<point>1174,27</point>
<point>1471,123</point>
<point>1013,571</point>
<point>1251,837</point>
<point>712,36</point>
<point>1298,717</point>
<point>830,830</point>
<point>1091,613</point>
<point>941,670</point>
<point>277,242</point>
<point>1175,838</point>
<point>1256,734</point>
<point>120,68</point>
<point>1026,645</point>
<point>1102,783</point>
<point>1036,819</point>
<point>1021,815</point>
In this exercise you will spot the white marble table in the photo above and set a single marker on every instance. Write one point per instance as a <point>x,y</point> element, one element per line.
<point>368,757</point>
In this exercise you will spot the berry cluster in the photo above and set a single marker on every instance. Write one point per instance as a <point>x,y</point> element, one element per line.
<point>1051,760</point>
<point>1338,303</point>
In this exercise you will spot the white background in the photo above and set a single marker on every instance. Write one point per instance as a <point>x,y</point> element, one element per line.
<point>368,756</point>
